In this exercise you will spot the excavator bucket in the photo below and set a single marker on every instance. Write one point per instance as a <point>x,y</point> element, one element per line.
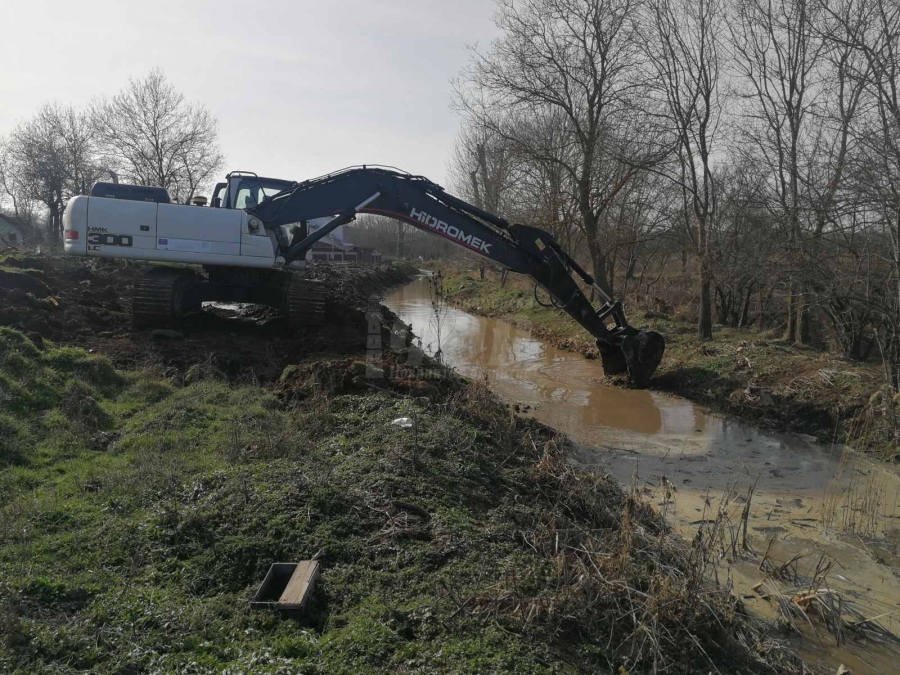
<point>638,355</point>
<point>643,351</point>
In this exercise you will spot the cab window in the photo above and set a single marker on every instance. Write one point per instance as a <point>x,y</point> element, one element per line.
<point>247,197</point>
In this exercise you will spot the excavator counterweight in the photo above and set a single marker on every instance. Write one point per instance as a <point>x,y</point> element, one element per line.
<point>256,228</point>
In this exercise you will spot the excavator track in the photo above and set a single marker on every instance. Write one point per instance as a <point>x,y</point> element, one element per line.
<point>305,304</point>
<point>157,298</point>
<point>152,304</point>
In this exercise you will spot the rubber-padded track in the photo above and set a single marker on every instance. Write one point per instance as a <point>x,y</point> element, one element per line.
<point>305,303</point>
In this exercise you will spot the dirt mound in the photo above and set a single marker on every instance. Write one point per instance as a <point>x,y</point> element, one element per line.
<point>87,303</point>
<point>64,300</point>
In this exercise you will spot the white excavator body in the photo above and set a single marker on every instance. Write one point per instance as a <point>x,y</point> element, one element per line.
<point>171,233</point>
<point>236,258</point>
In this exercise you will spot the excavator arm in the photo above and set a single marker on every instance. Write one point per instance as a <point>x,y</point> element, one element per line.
<point>520,248</point>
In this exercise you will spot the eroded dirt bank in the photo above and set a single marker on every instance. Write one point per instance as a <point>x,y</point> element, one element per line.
<point>146,485</point>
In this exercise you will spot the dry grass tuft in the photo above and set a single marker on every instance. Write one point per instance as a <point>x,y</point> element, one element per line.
<point>810,599</point>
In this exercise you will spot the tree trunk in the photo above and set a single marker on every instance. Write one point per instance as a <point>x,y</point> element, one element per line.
<point>895,372</point>
<point>476,190</point>
<point>762,301</point>
<point>724,305</point>
<point>598,265</point>
<point>745,311</point>
<point>632,264</point>
<point>55,224</point>
<point>598,258</point>
<point>797,330</point>
<point>804,323</point>
<point>792,330</point>
<point>704,325</point>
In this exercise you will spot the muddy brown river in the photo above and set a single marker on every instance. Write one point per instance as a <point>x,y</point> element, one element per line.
<point>813,502</point>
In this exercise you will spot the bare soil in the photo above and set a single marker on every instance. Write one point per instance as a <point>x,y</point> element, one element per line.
<point>87,304</point>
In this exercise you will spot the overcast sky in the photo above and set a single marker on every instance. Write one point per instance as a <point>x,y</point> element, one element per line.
<point>299,87</point>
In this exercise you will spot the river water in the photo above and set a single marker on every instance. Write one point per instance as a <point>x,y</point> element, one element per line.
<point>808,499</point>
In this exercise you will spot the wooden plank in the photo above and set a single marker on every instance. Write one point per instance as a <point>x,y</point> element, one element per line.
<point>300,586</point>
<point>266,597</point>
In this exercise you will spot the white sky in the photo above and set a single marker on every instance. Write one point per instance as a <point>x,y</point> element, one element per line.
<point>300,88</point>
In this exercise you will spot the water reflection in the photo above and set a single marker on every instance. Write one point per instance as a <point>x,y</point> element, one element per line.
<point>568,392</point>
<point>527,370</point>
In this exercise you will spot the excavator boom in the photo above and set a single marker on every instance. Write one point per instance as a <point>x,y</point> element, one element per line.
<point>519,248</point>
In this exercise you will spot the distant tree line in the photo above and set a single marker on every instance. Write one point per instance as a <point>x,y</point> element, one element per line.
<point>747,151</point>
<point>147,134</point>
<point>399,240</point>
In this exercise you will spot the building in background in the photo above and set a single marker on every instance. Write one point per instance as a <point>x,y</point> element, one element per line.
<point>331,248</point>
<point>337,247</point>
<point>11,233</point>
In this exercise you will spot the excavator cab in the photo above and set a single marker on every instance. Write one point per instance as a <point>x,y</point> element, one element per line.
<point>246,190</point>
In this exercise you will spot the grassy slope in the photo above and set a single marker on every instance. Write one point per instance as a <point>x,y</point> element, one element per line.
<point>138,515</point>
<point>740,372</point>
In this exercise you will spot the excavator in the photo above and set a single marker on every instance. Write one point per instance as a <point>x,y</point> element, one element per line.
<point>255,230</point>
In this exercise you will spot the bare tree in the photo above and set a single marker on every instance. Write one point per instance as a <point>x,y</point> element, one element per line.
<point>79,141</point>
<point>777,49</point>
<point>153,136</point>
<point>835,268</point>
<point>481,167</point>
<point>577,61</point>
<point>14,192</point>
<point>635,228</point>
<point>37,160</point>
<point>871,29</point>
<point>743,239</point>
<point>842,90</point>
<point>685,52</point>
<point>540,190</point>
<point>49,159</point>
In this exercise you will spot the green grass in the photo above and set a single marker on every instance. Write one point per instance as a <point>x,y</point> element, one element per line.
<point>137,517</point>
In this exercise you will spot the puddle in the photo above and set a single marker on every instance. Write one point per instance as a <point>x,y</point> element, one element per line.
<point>233,308</point>
<point>808,499</point>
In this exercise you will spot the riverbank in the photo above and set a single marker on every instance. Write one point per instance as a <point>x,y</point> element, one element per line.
<point>743,373</point>
<point>146,485</point>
